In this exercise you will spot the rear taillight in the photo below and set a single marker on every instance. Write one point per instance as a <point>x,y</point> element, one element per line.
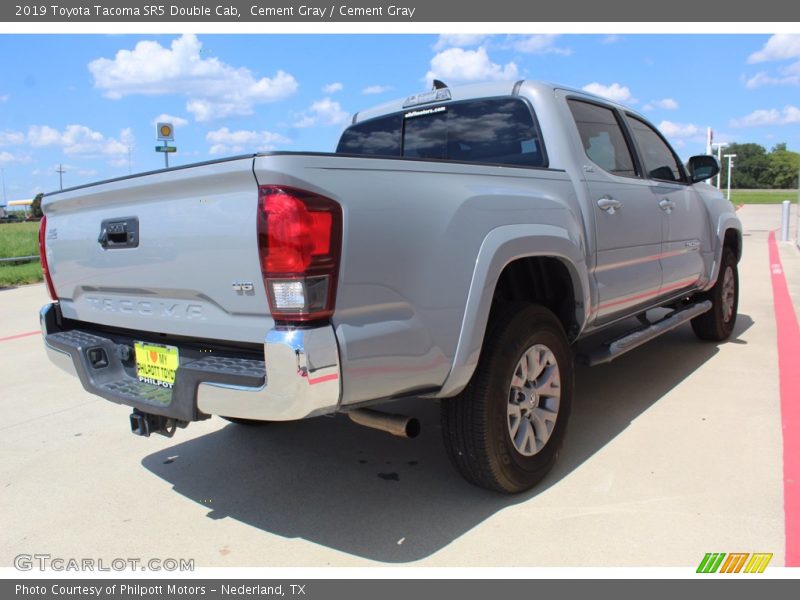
<point>299,243</point>
<point>43,258</point>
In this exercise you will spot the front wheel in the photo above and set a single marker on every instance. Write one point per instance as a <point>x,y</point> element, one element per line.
<point>504,431</point>
<point>717,324</point>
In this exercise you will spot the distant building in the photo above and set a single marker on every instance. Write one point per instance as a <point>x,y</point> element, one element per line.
<point>19,205</point>
<point>22,203</point>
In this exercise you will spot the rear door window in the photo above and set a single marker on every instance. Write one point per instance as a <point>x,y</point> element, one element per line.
<point>602,138</point>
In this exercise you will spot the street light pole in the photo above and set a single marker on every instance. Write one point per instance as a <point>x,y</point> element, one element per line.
<point>730,158</point>
<point>720,146</point>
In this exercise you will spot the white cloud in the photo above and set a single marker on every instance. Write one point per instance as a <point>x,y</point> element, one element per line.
<point>11,138</point>
<point>614,92</point>
<point>663,104</point>
<point>79,140</point>
<point>226,141</point>
<point>780,46</point>
<point>611,39</point>
<point>457,64</point>
<point>332,88</point>
<point>42,135</point>
<point>8,157</point>
<point>678,130</point>
<point>766,117</point>
<point>787,76</point>
<point>165,118</point>
<point>4,98</point>
<point>214,89</point>
<point>458,40</point>
<point>540,44</point>
<point>376,89</point>
<point>322,113</point>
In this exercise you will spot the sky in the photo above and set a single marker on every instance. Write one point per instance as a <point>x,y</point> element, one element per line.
<point>90,102</point>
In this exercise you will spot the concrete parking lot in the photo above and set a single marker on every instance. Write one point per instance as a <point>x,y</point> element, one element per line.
<point>674,450</point>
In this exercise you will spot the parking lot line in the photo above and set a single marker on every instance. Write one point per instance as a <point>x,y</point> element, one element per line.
<point>19,335</point>
<point>788,352</point>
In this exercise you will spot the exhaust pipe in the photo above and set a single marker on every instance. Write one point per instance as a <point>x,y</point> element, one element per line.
<point>399,425</point>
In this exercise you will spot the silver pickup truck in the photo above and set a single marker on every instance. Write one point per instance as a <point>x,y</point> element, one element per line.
<point>457,246</point>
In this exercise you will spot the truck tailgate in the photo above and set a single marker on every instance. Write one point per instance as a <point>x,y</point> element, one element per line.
<point>192,236</point>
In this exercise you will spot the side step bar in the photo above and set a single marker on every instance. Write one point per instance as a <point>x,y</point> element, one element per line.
<point>619,346</point>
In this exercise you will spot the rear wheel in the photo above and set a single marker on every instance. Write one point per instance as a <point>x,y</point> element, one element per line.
<point>717,324</point>
<point>504,431</point>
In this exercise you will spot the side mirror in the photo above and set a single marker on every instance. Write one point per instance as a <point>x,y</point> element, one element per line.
<point>702,167</point>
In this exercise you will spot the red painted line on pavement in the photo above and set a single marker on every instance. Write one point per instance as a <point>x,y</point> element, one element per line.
<point>322,379</point>
<point>19,335</point>
<point>789,373</point>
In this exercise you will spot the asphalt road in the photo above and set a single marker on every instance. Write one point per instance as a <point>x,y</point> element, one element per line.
<point>674,450</point>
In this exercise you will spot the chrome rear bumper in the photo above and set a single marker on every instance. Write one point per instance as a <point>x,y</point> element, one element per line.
<point>303,379</point>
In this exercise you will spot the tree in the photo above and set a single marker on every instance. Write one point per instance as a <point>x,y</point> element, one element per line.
<point>749,167</point>
<point>36,206</point>
<point>783,167</point>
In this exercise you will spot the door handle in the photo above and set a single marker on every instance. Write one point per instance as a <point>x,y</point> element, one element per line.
<point>666,205</point>
<point>609,204</point>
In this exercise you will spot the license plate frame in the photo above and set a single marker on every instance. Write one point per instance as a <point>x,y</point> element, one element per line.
<point>156,364</point>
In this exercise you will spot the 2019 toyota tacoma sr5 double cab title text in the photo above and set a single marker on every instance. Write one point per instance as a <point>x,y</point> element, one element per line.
<point>457,246</point>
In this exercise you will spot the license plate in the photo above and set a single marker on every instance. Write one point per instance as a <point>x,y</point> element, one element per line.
<point>156,364</point>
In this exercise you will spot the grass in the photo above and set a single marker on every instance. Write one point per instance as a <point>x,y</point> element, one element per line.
<point>19,239</point>
<point>762,196</point>
<point>20,274</point>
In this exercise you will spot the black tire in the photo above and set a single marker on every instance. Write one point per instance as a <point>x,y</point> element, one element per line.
<point>476,424</point>
<point>717,324</point>
<point>246,422</point>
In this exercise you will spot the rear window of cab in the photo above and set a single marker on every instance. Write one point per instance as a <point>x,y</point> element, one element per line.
<point>498,131</point>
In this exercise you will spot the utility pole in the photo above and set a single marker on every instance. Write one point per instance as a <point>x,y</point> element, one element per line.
<point>60,170</point>
<point>730,158</point>
<point>130,162</point>
<point>720,146</point>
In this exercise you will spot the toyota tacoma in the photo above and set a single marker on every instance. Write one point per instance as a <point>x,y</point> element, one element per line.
<point>456,246</point>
